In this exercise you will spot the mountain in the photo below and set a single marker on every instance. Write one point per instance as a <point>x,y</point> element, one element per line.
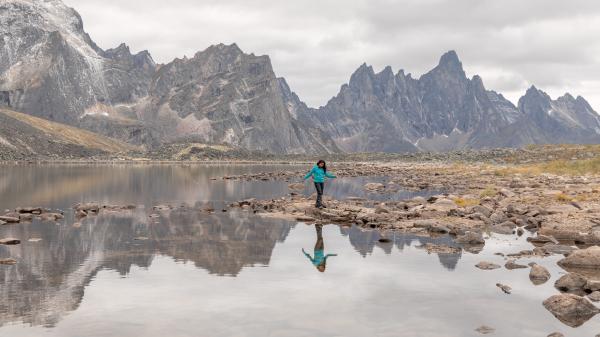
<point>51,68</point>
<point>445,110</point>
<point>23,136</point>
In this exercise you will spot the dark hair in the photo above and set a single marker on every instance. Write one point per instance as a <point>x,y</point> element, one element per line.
<point>324,165</point>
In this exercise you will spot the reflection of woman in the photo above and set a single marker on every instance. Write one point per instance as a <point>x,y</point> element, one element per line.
<point>320,258</point>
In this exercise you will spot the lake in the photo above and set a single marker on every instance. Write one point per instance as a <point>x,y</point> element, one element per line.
<point>188,273</point>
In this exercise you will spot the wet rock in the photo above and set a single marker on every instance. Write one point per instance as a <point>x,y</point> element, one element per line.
<point>594,296</point>
<point>592,285</point>
<point>484,265</point>
<point>384,240</point>
<point>556,334</point>
<point>472,238</point>
<point>570,282</point>
<point>381,209</point>
<point>305,218</point>
<point>8,261</point>
<point>296,187</point>
<point>484,330</point>
<point>512,264</point>
<point>88,207</point>
<point>505,288</point>
<point>438,228</point>
<point>9,241</point>
<point>486,211</point>
<point>502,229</point>
<point>439,248</point>
<point>444,205</point>
<point>425,223</point>
<point>51,216</point>
<point>374,186</point>
<point>583,258</point>
<point>540,238</point>
<point>551,248</point>
<point>571,309</point>
<point>26,217</point>
<point>9,219</point>
<point>31,210</point>
<point>538,274</point>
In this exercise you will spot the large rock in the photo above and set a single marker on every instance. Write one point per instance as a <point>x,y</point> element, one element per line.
<point>583,258</point>
<point>9,241</point>
<point>571,309</point>
<point>471,238</point>
<point>485,265</point>
<point>570,282</point>
<point>538,274</point>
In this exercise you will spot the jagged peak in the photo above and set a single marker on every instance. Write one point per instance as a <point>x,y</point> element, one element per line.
<point>450,58</point>
<point>477,82</point>
<point>364,71</point>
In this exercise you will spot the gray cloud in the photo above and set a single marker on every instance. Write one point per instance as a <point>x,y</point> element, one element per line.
<point>316,45</point>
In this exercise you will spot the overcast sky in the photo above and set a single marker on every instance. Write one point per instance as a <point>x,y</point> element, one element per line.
<point>317,44</point>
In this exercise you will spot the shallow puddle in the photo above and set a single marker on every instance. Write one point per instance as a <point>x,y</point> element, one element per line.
<point>187,273</point>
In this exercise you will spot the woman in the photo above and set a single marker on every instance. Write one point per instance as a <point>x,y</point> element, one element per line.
<point>320,259</point>
<point>318,173</point>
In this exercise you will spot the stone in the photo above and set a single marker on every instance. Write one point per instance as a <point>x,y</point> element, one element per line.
<point>512,264</point>
<point>538,274</point>
<point>583,258</point>
<point>8,261</point>
<point>444,205</point>
<point>305,218</point>
<point>556,334</point>
<point>484,330</point>
<point>570,282</point>
<point>296,187</point>
<point>472,238</point>
<point>505,288</point>
<point>571,309</point>
<point>594,296</point>
<point>9,241</point>
<point>486,211</point>
<point>440,248</point>
<point>374,186</point>
<point>9,219</point>
<point>484,265</point>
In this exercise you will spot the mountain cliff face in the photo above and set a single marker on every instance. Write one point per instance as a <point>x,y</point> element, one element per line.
<point>50,68</point>
<point>445,110</point>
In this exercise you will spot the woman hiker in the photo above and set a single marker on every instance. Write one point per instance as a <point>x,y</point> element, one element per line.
<point>320,259</point>
<point>318,173</point>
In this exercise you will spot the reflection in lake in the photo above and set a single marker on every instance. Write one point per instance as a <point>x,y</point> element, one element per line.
<point>189,273</point>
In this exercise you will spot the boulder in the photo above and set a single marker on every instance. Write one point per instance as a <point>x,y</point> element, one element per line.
<point>444,205</point>
<point>538,274</point>
<point>570,282</point>
<point>571,309</point>
<point>583,258</point>
<point>472,238</point>
<point>9,241</point>
<point>484,265</point>
<point>512,264</point>
<point>486,211</point>
<point>556,334</point>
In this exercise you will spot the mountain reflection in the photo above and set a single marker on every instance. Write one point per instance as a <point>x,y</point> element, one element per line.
<point>364,242</point>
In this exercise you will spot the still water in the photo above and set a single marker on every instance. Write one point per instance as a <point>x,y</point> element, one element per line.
<point>187,273</point>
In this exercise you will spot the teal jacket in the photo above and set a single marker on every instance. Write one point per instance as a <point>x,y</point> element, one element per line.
<point>318,174</point>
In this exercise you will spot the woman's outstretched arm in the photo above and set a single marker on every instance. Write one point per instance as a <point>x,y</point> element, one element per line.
<point>309,173</point>
<point>329,175</point>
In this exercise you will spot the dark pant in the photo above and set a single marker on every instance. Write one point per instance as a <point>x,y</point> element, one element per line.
<point>319,187</point>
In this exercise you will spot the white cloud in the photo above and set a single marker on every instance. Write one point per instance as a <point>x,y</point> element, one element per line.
<point>316,45</point>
